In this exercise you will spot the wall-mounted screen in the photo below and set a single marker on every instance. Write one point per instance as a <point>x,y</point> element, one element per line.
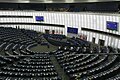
<point>112,25</point>
<point>39,18</point>
<point>72,30</point>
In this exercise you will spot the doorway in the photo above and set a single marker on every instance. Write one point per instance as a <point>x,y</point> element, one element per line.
<point>93,40</point>
<point>53,31</point>
<point>47,31</point>
<point>101,42</point>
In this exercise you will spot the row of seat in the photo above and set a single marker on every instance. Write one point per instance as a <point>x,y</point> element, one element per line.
<point>87,66</point>
<point>29,67</point>
<point>22,63</point>
<point>25,64</point>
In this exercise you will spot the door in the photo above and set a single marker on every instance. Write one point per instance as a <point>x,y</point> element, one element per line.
<point>93,40</point>
<point>101,42</point>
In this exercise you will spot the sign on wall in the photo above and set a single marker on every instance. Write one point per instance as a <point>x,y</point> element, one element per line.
<point>39,18</point>
<point>112,25</point>
<point>72,30</point>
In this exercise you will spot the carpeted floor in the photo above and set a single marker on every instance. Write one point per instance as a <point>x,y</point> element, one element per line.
<point>40,48</point>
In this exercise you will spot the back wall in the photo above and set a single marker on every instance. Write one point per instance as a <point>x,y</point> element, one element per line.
<point>54,21</point>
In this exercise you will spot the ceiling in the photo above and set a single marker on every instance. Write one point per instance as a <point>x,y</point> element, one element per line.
<point>53,1</point>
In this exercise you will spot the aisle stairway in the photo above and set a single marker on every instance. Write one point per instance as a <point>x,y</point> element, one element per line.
<point>60,71</point>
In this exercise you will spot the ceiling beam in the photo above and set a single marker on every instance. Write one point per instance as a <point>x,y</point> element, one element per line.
<point>54,1</point>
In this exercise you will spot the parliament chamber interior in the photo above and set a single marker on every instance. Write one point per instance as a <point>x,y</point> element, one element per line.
<point>59,40</point>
